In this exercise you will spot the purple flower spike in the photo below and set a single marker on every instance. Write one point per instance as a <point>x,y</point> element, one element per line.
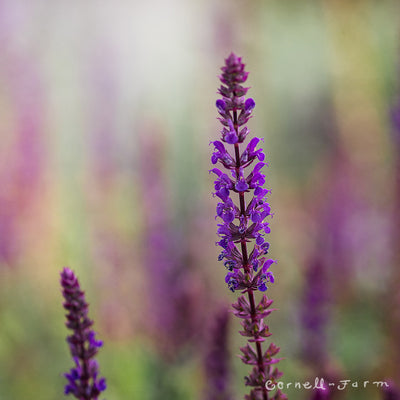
<point>83,380</point>
<point>243,208</point>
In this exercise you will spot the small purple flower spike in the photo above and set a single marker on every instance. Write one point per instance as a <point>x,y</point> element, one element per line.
<point>243,208</point>
<point>83,380</point>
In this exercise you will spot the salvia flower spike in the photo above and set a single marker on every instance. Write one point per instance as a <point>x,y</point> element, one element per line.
<point>83,379</point>
<point>242,209</point>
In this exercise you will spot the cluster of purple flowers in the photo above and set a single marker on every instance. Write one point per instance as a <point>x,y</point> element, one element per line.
<point>83,380</point>
<point>243,223</point>
<point>245,271</point>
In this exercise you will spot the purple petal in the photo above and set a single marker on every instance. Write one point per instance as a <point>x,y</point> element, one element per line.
<point>267,264</point>
<point>228,217</point>
<point>221,105</point>
<point>231,138</point>
<point>241,186</point>
<point>258,166</point>
<point>216,171</point>
<point>252,145</point>
<point>270,277</point>
<point>260,240</point>
<point>260,192</point>
<point>263,287</point>
<point>261,155</point>
<point>101,385</point>
<point>219,146</point>
<point>249,104</point>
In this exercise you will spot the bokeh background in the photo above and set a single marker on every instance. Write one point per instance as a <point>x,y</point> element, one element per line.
<point>106,114</point>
